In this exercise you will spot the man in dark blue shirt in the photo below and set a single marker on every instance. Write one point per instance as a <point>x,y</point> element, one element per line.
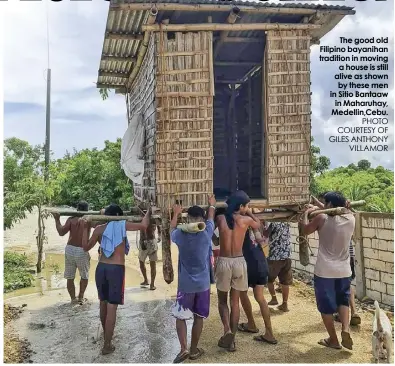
<point>194,264</point>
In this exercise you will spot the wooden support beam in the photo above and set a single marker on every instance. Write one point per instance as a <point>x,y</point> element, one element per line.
<point>222,7</point>
<point>232,17</point>
<point>226,27</point>
<point>236,63</point>
<point>112,74</point>
<point>228,81</point>
<point>124,36</point>
<point>118,58</point>
<point>243,39</point>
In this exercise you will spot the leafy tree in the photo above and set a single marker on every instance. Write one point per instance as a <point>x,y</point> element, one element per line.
<point>375,186</point>
<point>25,188</point>
<point>319,164</point>
<point>364,164</point>
<point>95,176</point>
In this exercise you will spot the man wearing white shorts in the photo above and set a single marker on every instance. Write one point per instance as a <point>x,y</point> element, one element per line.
<point>75,257</point>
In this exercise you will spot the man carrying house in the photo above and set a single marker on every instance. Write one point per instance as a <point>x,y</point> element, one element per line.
<point>231,267</point>
<point>110,272</point>
<point>279,261</point>
<point>355,319</point>
<point>194,265</point>
<point>75,257</point>
<point>148,248</point>
<point>257,269</point>
<point>332,272</point>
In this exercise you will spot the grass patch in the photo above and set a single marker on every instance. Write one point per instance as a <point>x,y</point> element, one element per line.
<point>16,272</point>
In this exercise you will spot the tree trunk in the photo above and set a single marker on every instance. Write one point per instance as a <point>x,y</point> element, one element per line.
<point>168,273</point>
<point>40,239</point>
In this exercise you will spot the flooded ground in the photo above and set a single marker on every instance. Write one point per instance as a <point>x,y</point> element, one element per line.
<point>145,332</point>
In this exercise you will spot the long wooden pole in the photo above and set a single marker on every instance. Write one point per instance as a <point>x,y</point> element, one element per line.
<point>226,27</point>
<point>222,7</point>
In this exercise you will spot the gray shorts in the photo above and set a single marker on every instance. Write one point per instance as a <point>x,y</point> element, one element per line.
<point>151,252</point>
<point>75,257</point>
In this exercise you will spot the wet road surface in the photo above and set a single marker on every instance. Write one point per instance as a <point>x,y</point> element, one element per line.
<point>61,333</point>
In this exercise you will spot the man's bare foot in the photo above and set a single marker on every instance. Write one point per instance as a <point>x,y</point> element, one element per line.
<point>152,287</point>
<point>74,301</point>
<point>283,307</point>
<point>107,350</point>
<point>144,283</point>
<point>273,301</point>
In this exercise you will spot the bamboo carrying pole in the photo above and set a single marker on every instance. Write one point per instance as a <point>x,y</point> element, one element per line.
<point>225,27</point>
<point>194,227</point>
<point>303,241</point>
<point>103,218</point>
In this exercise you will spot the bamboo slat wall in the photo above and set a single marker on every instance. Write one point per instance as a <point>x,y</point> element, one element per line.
<point>184,93</point>
<point>288,110</point>
<point>141,99</point>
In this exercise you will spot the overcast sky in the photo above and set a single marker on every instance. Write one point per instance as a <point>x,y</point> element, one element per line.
<point>80,119</point>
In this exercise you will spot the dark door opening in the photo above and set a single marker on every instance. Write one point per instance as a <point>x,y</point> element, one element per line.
<point>238,137</point>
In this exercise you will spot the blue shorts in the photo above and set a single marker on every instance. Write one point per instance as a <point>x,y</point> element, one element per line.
<point>330,293</point>
<point>110,282</point>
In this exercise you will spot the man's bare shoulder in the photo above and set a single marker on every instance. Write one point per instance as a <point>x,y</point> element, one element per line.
<point>242,220</point>
<point>100,229</point>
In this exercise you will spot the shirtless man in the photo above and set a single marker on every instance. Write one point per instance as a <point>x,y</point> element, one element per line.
<point>231,267</point>
<point>75,257</point>
<point>110,272</point>
<point>149,248</point>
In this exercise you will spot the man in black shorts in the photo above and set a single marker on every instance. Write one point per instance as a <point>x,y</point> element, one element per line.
<point>257,270</point>
<point>110,272</point>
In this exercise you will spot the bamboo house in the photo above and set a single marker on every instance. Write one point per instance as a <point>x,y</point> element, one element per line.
<point>222,92</point>
<point>218,98</point>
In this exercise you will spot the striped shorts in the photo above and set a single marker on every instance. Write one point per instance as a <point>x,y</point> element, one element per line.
<point>75,257</point>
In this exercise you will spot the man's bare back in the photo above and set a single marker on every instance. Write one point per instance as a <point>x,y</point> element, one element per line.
<point>231,241</point>
<point>118,257</point>
<point>74,227</point>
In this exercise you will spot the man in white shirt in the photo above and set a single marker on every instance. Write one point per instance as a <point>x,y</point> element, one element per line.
<point>332,272</point>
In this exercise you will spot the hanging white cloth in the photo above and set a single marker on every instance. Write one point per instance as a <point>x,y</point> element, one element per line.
<point>132,150</point>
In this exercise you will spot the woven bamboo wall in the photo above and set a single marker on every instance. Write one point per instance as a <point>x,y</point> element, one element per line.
<point>288,110</point>
<point>184,92</point>
<point>141,99</point>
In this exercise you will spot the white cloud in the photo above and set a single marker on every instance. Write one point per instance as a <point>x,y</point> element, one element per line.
<point>81,119</point>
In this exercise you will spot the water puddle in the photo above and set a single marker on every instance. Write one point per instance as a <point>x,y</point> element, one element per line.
<point>51,277</point>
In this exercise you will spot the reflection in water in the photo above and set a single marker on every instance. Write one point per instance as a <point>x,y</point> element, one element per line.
<point>51,277</point>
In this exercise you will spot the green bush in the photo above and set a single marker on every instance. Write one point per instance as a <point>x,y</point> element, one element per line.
<point>16,274</point>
